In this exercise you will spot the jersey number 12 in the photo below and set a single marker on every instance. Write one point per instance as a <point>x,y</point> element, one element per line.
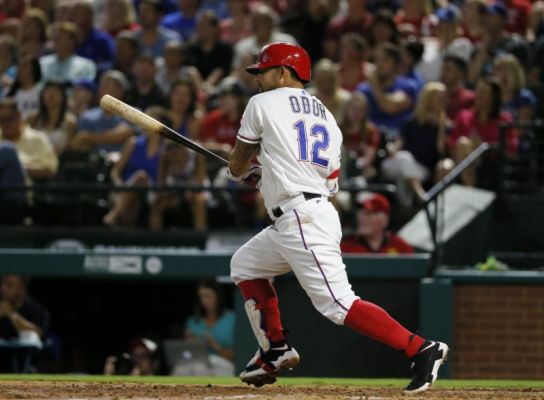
<point>320,143</point>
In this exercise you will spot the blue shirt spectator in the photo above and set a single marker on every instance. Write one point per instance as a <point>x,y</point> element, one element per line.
<point>383,119</point>
<point>222,330</point>
<point>96,121</point>
<point>156,49</point>
<point>152,37</point>
<point>184,20</point>
<point>523,98</point>
<point>98,47</point>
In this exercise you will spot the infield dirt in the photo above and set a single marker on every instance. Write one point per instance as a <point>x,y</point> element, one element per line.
<point>136,391</point>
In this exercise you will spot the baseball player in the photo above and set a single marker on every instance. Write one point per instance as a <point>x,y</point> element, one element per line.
<point>297,143</point>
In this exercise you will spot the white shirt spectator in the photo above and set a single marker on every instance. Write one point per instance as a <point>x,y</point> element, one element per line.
<point>71,69</point>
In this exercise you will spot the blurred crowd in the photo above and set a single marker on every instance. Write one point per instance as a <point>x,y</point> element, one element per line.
<point>415,86</point>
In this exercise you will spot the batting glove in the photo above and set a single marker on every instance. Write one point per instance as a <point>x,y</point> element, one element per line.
<point>252,177</point>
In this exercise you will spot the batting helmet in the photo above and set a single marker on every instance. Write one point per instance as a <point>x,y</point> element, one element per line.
<point>284,54</point>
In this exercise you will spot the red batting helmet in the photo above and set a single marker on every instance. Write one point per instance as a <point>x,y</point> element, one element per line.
<point>284,54</point>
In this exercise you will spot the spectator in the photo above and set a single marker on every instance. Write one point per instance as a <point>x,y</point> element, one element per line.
<point>185,111</point>
<point>496,40</point>
<point>382,30</point>
<point>211,56</point>
<point>64,65</point>
<point>98,129</point>
<point>307,21</point>
<point>353,64</point>
<point>264,25</point>
<point>53,117</point>
<point>63,11</point>
<point>516,98</point>
<point>127,51</point>
<point>152,37</point>
<point>415,16</point>
<point>218,7</point>
<point>372,236</point>
<point>356,19</point>
<point>411,53</point>
<point>220,126</point>
<point>448,41</point>
<point>11,174</point>
<point>458,97</point>
<point>238,25</point>
<point>33,33</point>
<point>244,78</point>
<point>141,359</point>
<point>22,319</point>
<point>120,16</point>
<point>94,44</point>
<point>137,167</point>
<point>213,324</point>
<point>180,166</point>
<point>8,67</point>
<point>145,92</point>
<point>183,21</point>
<point>27,86</point>
<point>474,12</point>
<point>361,137</point>
<point>413,157</point>
<point>326,87</point>
<point>390,96</point>
<point>33,147</point>
<point>12,9</point>
<point>173,67</point>
<point>480,124</point>
<point>518,15</point>
<point>82,98</point>
<point>18,310</point>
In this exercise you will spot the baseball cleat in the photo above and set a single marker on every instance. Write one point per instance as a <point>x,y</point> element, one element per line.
<point>425,365</point>
<point>263,368</point>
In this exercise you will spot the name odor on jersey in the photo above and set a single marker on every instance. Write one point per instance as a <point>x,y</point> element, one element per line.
<point>304,105</point>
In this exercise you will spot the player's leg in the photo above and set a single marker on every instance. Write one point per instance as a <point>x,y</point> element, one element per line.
<point>252,267</point>
<point>310,244</point>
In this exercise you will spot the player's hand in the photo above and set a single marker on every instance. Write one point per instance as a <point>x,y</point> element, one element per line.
<point>253,176</point>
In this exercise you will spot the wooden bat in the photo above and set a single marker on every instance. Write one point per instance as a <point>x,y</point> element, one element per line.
<point>150,124</point>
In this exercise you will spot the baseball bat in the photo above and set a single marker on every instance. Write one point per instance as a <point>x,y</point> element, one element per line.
<point>150,124</point>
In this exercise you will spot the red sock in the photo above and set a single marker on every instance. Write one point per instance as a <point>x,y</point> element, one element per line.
<point>370,320</point>
<point>263,293</point>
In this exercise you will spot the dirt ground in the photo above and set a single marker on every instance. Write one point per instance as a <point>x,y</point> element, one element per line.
<point>134,391</point>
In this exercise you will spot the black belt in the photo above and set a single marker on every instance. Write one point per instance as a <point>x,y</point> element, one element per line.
<point>277,212</point>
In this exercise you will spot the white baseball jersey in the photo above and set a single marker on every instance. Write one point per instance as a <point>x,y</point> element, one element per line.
<point>300,143</point>
<point>300,147</point>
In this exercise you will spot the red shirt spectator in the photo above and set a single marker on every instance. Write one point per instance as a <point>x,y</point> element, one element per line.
<point>217,127</point>
<point>467,124</point>
<point>459,100</point>
<point>371,235</point>
<point>518,16</point>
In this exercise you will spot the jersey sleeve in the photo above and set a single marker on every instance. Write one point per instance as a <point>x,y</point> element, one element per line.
<point>251,126</point>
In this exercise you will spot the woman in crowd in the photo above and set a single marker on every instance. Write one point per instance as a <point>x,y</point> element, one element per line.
<point>383,29</point>
<point>137,167</point>
<point>413,157</point>
<point>516,98</point>
<point>185,109</point>
<point>213,324</point>
<point>53,116</point>
<point>27,86</point>
<point>480,124</point>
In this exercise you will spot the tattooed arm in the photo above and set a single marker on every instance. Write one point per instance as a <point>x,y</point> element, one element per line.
<point>241,156</point>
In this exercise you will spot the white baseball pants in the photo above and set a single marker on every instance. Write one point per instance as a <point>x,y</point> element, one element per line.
<point>305,240</point>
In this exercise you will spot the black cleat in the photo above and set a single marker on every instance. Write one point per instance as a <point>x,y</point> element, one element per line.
<point>425,365</point>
